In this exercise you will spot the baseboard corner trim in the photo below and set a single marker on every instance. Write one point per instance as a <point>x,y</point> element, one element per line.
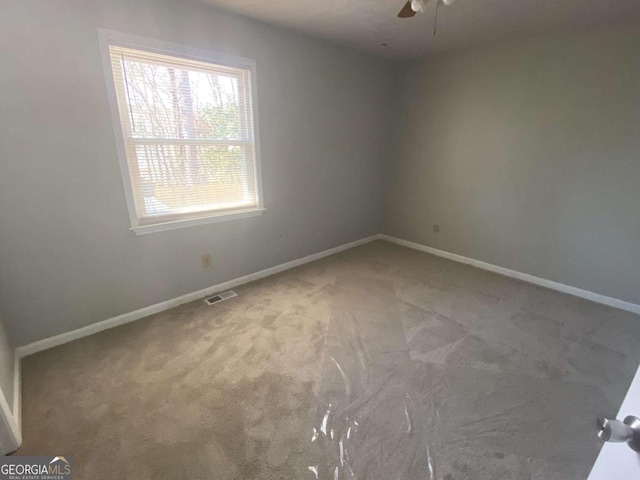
<point>525,277</point>
<point>51,342</point>
<point>10,415</point>
<point>17,389</point>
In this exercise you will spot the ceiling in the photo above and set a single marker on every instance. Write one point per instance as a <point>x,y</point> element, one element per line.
<point>368,24</point>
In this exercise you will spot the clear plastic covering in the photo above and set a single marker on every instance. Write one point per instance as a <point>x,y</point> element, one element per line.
<point>408,392</point>
<point>368,424</point>
<point>377,364</point>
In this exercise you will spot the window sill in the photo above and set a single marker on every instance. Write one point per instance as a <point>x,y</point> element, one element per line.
<point>193,222</point>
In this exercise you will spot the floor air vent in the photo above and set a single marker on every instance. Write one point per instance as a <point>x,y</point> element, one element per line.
<point>220,297</point>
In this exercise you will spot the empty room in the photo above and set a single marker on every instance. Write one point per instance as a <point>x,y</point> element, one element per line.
<point>353,239</point>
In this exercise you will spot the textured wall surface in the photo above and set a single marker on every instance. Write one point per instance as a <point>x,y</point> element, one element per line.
<point>67,257</point>
<point>528,156</point>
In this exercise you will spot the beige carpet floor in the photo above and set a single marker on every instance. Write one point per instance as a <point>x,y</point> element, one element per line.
<point>377,363</point>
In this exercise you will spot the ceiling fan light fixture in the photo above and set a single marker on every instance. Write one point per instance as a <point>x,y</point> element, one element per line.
<point>417,6</point>
<point>448,2</point>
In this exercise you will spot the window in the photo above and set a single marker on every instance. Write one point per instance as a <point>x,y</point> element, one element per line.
<point>186,128</point>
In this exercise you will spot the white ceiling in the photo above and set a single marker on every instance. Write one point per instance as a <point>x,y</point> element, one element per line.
<point>366,24</point>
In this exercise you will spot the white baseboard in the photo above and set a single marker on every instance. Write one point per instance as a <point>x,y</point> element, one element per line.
<point>10,418</point>
<point>13,421</point>
<point>17,389</point>
<point>10,435</point>
<point>560,287</point>
<point>63,338</point>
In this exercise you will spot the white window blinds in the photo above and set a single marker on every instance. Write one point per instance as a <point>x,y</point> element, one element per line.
<point>188,131</point>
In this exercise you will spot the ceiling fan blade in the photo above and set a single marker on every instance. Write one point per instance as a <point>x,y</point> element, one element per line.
<point>407,11</point>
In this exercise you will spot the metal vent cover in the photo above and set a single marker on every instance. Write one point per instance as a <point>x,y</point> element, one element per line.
<point>220,297</point>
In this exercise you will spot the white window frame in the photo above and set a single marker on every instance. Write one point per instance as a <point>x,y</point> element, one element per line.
<point>110,37</point>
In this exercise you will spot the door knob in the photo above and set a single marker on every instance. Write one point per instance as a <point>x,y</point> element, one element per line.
<point>616,431</point>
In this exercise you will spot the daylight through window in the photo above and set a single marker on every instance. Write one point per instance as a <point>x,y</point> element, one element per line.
<point>188,131</point>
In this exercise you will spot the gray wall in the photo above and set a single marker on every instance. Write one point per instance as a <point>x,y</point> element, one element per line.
<point>528,157</point>
<point>67,257</point>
